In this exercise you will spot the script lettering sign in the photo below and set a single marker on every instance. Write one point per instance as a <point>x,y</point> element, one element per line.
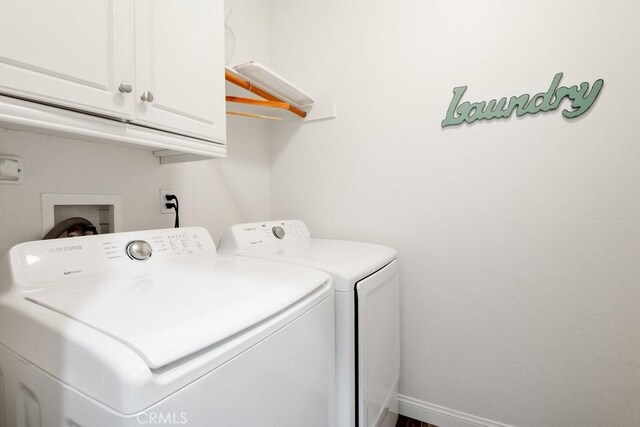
<point>581,99</point>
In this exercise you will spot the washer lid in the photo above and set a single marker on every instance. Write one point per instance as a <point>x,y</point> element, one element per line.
<point>168,313</point>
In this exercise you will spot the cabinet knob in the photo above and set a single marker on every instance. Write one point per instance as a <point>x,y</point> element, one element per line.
<point>125,87</point>
<point>147,96</point>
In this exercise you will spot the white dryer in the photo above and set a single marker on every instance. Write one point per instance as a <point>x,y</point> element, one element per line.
<point>366,284</point>
<point>154,328</point>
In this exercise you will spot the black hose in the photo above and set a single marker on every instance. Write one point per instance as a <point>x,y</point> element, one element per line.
<point>63,226</point>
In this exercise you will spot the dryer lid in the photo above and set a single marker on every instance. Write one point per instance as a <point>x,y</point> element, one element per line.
<point>347,262</point>
<point>167,314</point>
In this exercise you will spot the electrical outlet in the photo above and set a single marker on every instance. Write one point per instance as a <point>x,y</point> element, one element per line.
<point>163,201</point>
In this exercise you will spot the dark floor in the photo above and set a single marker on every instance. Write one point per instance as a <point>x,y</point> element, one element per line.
<point>410,422</point>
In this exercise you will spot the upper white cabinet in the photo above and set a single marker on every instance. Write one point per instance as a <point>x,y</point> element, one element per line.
<point>157,66</point>
<point>178,65</point>
<point>72,53</point>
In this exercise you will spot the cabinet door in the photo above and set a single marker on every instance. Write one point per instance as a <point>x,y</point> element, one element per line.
<point>180,63</point>
<point>72,53</point>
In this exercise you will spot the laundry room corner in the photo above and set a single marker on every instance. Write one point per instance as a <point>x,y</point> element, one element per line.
<point>334,213</point>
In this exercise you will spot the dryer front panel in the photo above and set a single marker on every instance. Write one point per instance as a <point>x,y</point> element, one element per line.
<point>378,335</point>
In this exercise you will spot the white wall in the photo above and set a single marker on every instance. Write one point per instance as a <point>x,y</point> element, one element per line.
<point>519,238</point>
<point>212,193</point>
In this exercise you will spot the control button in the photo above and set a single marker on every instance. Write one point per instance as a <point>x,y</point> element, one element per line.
<point>139,250</point>
<point>278,232</point>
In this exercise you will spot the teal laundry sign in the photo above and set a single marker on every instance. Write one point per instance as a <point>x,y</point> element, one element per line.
<point>581,98</point>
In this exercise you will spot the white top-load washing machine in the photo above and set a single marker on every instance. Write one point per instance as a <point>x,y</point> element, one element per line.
<point>154,328</point>
<point>365,280</point>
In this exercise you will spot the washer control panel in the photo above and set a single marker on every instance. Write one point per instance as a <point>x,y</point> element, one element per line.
<point>52,261</point>
<point>265,236</point>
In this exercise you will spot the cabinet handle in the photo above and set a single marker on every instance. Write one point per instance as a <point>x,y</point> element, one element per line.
<point>125,87</point>
<point>147,96</point>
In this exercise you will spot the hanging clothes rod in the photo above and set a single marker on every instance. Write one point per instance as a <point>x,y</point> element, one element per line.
<point>257,116</point>
<point>258,102</point>
<point>244,84</point>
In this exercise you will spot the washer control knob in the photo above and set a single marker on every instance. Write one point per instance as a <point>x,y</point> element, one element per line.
<point>278,232</point>
<point>139,250</point>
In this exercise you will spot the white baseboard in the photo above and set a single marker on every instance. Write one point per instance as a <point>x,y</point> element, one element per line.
<point>439,415</point>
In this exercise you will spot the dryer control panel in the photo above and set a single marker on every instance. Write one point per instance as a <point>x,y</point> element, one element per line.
<point>264,236</point>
